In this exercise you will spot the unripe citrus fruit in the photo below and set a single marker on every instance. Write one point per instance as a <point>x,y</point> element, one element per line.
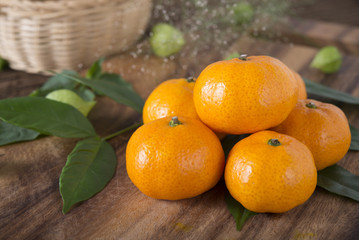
<point>174,158</point>
<point>166,40</point>
<point>327,60</point>
<point>323,127</point>
<point>71,98</point>
<point>243,12</point>
<point>270,172</point>
<point>170,98</point>
<point>245,95</point>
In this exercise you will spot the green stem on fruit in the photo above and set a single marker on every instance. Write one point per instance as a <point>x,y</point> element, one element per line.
<point>136,125</point>
<point>311,105</point>
<point>274,142</point>
<point>174,122</point>
<point>243,57</point>
<point>190,79</point>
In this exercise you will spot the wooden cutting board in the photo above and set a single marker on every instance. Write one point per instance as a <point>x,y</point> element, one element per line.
<point>30,206</point>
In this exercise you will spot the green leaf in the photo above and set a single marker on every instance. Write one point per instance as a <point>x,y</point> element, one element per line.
<point>46,116</point>
<point>240,213</point>
<point>95,70</point>
<point>115,78</point>
<point>120,92</point>
<point>354,145</point>
<point>10,134</point>
<point>3,64</point>
<point>338,180</point>
<point>230,140</point>
<point>85,93</point>
<point>56,82</point>
<point>88,169</point>
<point>324,91</point>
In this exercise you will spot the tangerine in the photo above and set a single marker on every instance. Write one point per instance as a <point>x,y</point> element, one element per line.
<point>170,98</point>
<point>270,172</point>
<point>302,92</point>
<point>174,159</point>
<point>245,95</point>
<point>323,127</point>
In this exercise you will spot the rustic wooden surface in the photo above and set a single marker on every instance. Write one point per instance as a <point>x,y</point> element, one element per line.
<point>319,34</point>
<point>30,206</point>
<point>343,12</point>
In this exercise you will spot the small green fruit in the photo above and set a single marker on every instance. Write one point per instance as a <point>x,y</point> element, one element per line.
<point>71,98</point>
<point>243,12</point>
<point>166,40</point>
<point>327,60</point>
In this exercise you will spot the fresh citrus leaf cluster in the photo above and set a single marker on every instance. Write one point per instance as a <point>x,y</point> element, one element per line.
<point>93,161</point>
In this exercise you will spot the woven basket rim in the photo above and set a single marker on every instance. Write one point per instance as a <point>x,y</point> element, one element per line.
<point>54,4</point>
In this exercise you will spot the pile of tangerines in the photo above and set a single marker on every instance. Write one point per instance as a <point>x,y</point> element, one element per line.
<point>177,153</point>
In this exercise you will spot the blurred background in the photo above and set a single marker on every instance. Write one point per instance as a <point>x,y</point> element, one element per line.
<point>39,35</point>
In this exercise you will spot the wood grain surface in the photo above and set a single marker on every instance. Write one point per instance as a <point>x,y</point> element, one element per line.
<point>319,34</point>
<point>30,206</point>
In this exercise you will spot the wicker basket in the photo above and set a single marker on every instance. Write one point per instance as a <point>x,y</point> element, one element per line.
<point>40,35</point>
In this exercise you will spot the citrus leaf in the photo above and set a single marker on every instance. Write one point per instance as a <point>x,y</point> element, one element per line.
<point>88,169</point>
<point>56,82</point>
<point>324,91</point>
<point>3,64</point>
<point>46,116</point>
<point>230,140</point>
<point>95,70</point>
<point>240,213</point>
<point>85,93</point>
<point>115,78</point>
<point>10,134</point>
<point>354,145</point>
<point>338,180</point>
<point>120,92</point>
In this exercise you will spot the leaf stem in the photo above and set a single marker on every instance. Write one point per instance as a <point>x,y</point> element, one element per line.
<point>136,125</point>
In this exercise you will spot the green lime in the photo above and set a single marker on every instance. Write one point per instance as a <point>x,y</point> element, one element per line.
<point>243,12</point>
<point>71,98</point>
<point>327,60</point>
<point>166,40</point>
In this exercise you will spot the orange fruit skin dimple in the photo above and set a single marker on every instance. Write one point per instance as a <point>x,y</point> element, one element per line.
<point>173,97</point>
<point>265,178</point>
<point>244,96</point>
<point>325,130</point>
<point>173,163</point>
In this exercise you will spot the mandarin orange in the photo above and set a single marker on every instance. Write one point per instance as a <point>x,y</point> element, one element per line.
<point>270,172</point>
<point>170,98</point>
<point>323,127</point>
<point>174,159</point>
<point>245,95</point>
<point>302,92</point>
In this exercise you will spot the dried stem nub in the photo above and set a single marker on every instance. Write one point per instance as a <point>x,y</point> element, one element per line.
<point>274,142</point>
<point>174,122</point>
<point>243,57</point>
<point>311,105</point>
